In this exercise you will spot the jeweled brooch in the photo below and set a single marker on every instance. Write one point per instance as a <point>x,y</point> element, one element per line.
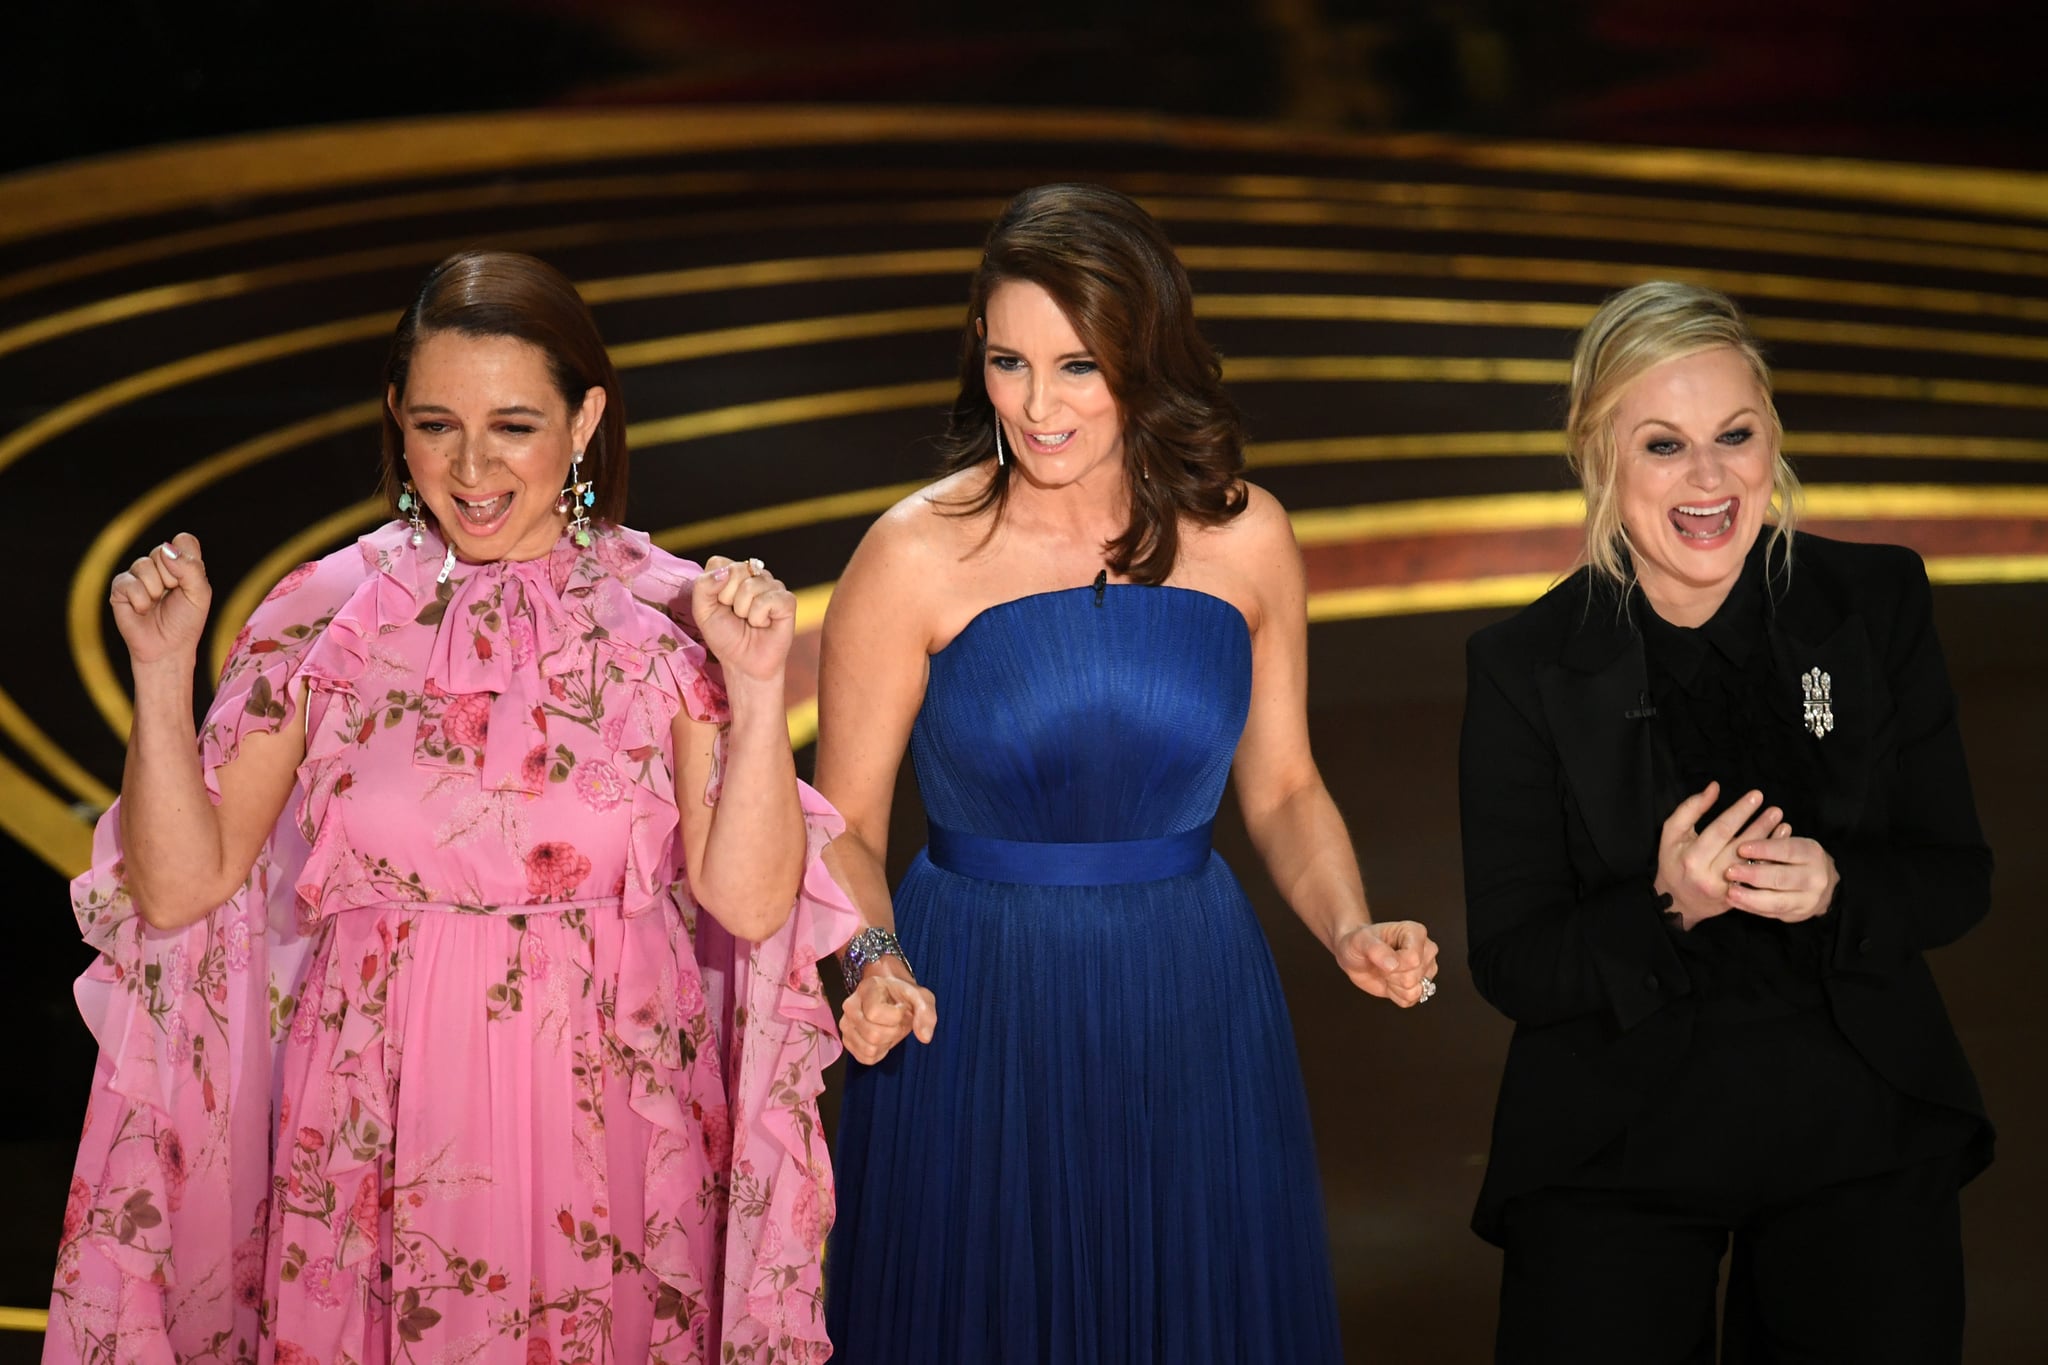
<point>1819,713</point>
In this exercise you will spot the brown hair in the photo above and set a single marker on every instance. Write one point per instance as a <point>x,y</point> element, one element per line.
<point>1111,270</point>
<point>1635,331</point>
<point>505,294</point>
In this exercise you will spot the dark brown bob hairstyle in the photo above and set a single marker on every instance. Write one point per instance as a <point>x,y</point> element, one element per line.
<point>1113,273</point>
<point>505,294</point>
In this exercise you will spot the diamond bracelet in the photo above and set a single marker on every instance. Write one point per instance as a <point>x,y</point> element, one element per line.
<point>868,946</point>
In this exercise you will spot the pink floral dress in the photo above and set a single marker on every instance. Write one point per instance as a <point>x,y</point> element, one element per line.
<point>529,1104</point>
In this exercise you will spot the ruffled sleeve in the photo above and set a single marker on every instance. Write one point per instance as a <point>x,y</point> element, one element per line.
<point>162,1252</point>
<point>776,1035</point>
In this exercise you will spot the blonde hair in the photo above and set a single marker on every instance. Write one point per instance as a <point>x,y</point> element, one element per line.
<point>1634,332</point>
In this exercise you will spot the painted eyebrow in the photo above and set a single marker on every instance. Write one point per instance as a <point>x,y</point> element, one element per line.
<point>517,410</point>
<point>1662,422</point>
<point>1070,355</point>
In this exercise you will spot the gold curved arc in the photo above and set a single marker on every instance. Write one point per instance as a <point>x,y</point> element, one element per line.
<point>96,566</point>
<point>52,759</point>
<point>686,184</point>
<point>168,179</point>
<point>25,1319</point>
<point>1748,284</point>
<point>1594,228</point>
<point>240,604</point>
<point>207,364</point>
<point>97,402</point>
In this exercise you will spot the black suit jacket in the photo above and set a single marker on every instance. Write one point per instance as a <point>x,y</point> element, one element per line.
<point>1560,839</point>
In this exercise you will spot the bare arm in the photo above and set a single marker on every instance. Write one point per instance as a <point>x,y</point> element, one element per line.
<point>746,853</point>
<point>1288,810</point>
<point>184,854</point>
<point>871,682</point>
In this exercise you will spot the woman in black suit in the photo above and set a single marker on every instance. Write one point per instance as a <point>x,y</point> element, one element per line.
<point>1715,810</point>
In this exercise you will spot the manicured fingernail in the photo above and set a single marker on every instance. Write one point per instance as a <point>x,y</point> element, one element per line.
<point>170,553</point>
<point>720,575</point>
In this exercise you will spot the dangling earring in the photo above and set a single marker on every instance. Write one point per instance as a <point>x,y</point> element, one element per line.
<point>578,498</point>
<point>409,503</point>
<point>1000,461</point>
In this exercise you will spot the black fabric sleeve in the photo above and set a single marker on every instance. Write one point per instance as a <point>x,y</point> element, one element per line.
<point>1929,881</point>
<point>1543,948</point>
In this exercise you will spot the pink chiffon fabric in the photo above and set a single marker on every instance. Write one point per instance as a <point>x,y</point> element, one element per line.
<point>461,1073</point>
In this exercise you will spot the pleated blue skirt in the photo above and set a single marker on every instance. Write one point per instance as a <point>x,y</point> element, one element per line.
<point>1104,1154</point>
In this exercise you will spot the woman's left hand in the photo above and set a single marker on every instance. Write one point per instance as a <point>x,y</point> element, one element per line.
<point>1782,878</point>
<point>745,616</point>
<point>1393,959</point>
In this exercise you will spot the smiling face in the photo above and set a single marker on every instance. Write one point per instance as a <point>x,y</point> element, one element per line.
<point>1061,423</point>
<point>488,442</point>
<point>1695,453</point>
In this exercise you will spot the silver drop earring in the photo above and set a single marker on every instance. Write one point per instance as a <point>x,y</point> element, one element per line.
<point>409,503</point>
<point>1000,461</point>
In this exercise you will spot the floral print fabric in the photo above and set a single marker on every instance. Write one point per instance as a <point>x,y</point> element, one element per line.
<point>529,1104</point>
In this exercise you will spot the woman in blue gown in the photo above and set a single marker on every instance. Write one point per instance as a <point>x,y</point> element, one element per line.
<point>1101,1153</point>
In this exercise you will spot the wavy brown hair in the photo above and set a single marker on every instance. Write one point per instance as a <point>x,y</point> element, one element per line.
<point>506,294</point>
<point>1111,270</point>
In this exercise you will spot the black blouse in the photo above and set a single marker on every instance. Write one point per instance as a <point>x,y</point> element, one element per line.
<point>1722,715</point>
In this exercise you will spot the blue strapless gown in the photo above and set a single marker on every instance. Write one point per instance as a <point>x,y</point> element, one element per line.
<point>1104,1155</point>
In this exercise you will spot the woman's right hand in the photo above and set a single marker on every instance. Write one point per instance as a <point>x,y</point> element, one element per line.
<point>883,1010</point>
<point>160,603</point>
<point>1692,868</point>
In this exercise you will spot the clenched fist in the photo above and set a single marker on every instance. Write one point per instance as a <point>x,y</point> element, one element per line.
<point>160,603</point>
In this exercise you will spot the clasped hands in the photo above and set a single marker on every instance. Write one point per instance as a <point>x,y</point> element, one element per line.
<point>1747,859</point>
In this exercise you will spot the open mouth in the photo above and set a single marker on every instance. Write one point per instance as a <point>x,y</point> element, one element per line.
<point>1048,441</point>
<point>484,512</point>
<point>1705,521</point>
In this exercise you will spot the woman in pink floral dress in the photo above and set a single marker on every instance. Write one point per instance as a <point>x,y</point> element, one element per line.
<point>457,994</point>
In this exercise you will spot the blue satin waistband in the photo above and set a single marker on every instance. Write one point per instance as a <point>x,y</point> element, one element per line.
<point>1115,862</point>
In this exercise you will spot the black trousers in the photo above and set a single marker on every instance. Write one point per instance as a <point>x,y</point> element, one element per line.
<point>1869,1272</point>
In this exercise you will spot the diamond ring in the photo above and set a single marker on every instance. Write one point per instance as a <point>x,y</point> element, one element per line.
<point>1428,989</point>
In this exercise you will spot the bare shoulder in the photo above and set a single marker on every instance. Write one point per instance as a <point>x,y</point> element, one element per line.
<point>921,533</point>
<point>1258,539</point>
<point>902,571</point>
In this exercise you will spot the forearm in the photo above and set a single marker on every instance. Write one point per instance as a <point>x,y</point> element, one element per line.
<point>754,851</point>
<point>1307,852</point>
<point>170,829</point>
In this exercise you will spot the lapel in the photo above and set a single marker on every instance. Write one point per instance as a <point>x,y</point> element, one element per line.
<point>1810,630</point>
<point>1600,677</point>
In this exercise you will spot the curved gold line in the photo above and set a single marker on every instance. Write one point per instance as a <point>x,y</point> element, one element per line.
<point>1611,275</point>
<point>1959,569</point>
<point>809,407</point>
<point>96,566</point>
<point>1448,445</point>
<point>15,723</point>
<point>163,298</point>
<point>44,824</point>
<point>1288,369</point>
<point>686,184</point>
<point>1407,599</point>
<point>205,365</point>
<point>768,336</point>
<point>238,606</point>
<point>716,531</point>
<point>1590,228</point>
<point>807,269</point>
<point>161,180</point>
<point>1859,247</point>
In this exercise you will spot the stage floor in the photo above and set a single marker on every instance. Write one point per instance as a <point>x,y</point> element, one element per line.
<point>190,339</point>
